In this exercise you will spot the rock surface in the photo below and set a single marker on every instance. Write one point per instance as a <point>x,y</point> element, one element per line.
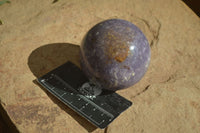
<point>37,36</point>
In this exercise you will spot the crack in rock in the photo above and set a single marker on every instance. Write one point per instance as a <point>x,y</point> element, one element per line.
<point>154,32</point>
<point>145,89</point>
<point>106,130</point>
<point>198,88</point>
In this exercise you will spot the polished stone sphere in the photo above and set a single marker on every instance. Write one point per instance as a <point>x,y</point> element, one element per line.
<point>115,53</point>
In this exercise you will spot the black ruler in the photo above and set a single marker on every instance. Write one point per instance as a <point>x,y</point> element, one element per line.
<point>66,83</point>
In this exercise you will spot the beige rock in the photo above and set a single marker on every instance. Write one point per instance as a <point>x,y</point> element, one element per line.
<point>38,36</point>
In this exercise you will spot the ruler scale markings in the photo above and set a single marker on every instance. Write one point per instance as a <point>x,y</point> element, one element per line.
<point>84,114</point>
<point>86,99</point>
<point>75,107</point>
<point>101,110</point>
<point>104,111</point>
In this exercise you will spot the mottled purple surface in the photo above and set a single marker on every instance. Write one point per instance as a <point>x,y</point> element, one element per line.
<point>115,53</point>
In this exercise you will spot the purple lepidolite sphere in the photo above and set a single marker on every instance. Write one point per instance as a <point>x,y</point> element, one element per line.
<point>115,53</point>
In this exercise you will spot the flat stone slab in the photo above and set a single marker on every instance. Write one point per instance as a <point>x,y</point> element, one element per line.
<point>38,36</point>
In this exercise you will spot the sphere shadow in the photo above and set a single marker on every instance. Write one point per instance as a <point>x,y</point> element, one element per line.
<point>50,56</point>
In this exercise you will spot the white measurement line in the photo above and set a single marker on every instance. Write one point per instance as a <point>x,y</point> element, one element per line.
<point>102,121</point>
<point>48,85</point>
<point>63,94</point>
<point>96,106</point>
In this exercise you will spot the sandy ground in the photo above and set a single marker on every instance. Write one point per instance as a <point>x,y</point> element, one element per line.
<point>37,36</point>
